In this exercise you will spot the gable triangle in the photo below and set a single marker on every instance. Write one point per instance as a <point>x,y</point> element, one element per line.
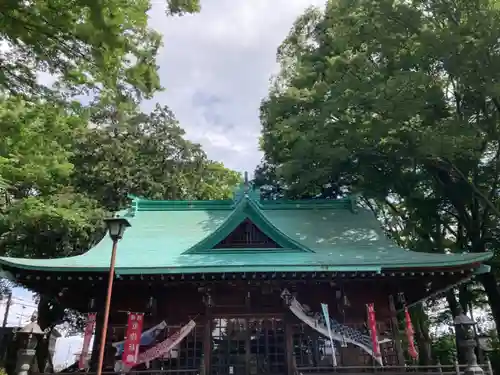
<point>246,228</point>
<point>247,235</point>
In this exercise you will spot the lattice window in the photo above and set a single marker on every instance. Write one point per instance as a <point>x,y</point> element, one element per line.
<point>228,351</point>
<point>353,355</point>
<point>388,349</point>
<point>314,350</point>
<point>267,346</point>
<point>311,349</point>
<point>188,355</point>
<point>248,347</point>
<point>247,235</point>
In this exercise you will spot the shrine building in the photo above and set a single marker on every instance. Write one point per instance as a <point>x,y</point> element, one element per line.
<point>252,274</point>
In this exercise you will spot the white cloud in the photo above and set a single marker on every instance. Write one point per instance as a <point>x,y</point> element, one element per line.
<point>216,67</point>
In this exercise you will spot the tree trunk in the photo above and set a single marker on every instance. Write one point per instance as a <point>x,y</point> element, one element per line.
<point>424,349</point>
<point>456,310</point>
<point>42,349</point>
<point>464,297</point>
<point>489,282</point>
<point>422,337</point>
<point>50,313</point>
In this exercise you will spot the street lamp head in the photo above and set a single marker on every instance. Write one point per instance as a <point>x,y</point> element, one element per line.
<point>116,227</point>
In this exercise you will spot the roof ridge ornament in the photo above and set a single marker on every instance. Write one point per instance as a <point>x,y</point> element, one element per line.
<point>244,190</point>
<point>134,207</point>
<point>247,184</point>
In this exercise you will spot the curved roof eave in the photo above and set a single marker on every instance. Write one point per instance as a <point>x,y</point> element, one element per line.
<point>471,259</point>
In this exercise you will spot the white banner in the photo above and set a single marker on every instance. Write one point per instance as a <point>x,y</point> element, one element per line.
<point>147,337</point>
<point>165,346</point>
<point>297,309</point>
<point>326,314</point>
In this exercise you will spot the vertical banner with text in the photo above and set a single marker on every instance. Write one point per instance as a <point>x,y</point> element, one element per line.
<point>412,351</point>
<point>87,336</point>
<point>326,314</point>
<point>372,324</point>
<point>132,339</point>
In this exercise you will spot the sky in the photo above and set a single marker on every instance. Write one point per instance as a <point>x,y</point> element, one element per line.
<point>216,67</point>
<point>21,308</point>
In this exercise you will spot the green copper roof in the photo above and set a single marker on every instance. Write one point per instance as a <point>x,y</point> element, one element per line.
<point>179,236</point>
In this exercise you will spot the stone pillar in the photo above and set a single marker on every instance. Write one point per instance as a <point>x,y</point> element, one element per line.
<point>472,367</point>
<point>24,360</point>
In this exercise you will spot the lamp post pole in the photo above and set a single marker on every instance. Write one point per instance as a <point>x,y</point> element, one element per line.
<point>107,307</point>
<point>116,228</point>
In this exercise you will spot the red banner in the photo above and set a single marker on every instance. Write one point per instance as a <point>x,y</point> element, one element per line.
<point>87,336</point>
<point>372,324</point>
<point>412,351</point>
<point>132,339</point>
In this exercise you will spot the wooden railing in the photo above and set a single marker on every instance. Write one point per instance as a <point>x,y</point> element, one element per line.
<point>351,370</point>
<point>141,372</point>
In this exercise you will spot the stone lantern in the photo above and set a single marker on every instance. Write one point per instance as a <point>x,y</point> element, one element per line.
<point>469,343</point>
<point>27,341</point>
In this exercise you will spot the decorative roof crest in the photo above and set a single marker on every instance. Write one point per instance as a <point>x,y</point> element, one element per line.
<point>246,189</point>
<point>134,206</point>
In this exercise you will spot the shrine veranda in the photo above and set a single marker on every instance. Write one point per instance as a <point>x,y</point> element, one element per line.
<point>252,275</point>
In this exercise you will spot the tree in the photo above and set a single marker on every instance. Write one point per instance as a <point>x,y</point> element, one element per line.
<point>89,46</point>
<point>146,156</point>
<point>58,225</point>
<point>65,177</point>
<point>399,101</point>
<point>444,349</point>
<point>35,144</point>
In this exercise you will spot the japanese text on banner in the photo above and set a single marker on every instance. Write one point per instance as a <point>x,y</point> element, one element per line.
<point>372,324</point>
<point>88,332</point>
<point>412,351</point>
<point>133,338</point>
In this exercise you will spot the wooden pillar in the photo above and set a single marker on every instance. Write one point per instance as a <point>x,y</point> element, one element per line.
<point>99,322</point>
<point>207,342</point>
<point>395,332</point>
<point>248,347</point>
<point>290,360</point>
<point>315,347</point>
